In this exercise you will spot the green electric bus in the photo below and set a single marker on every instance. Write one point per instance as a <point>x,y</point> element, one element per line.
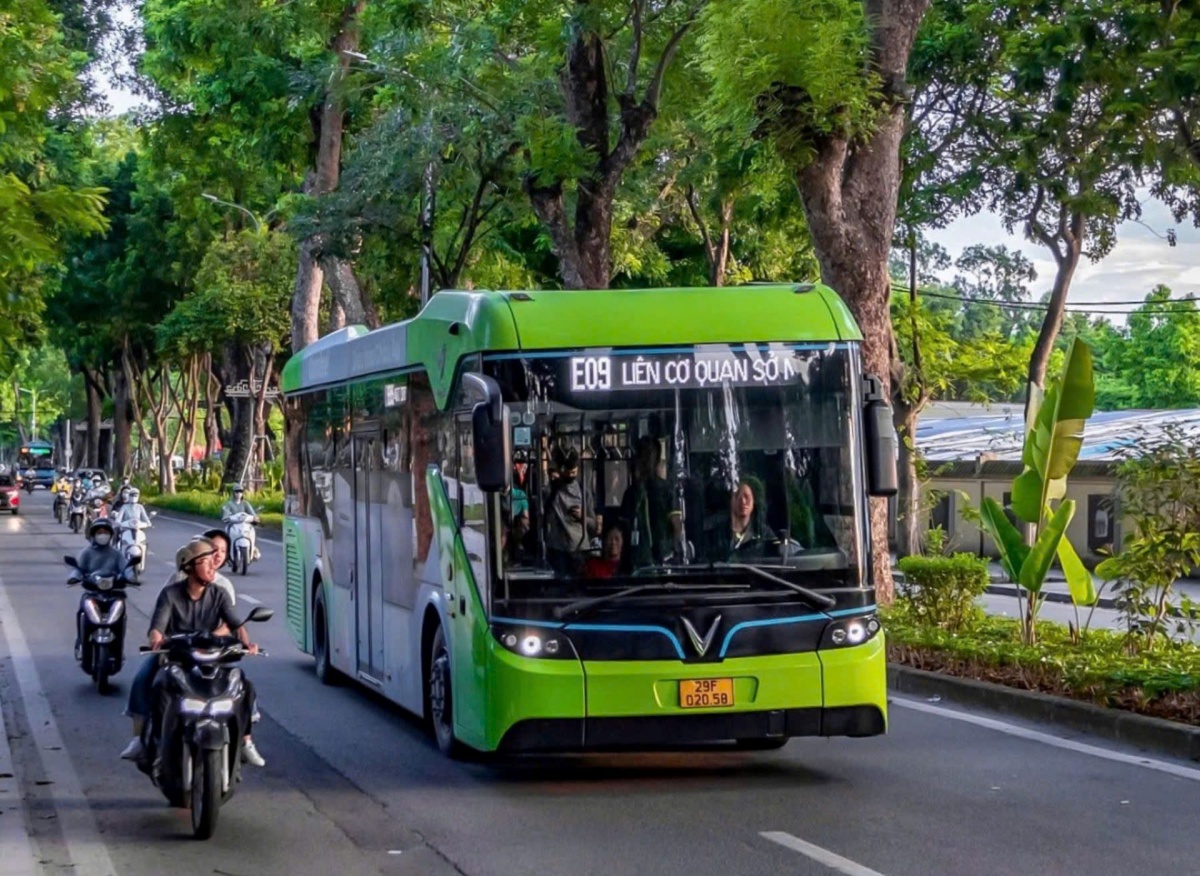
<point>595,520</point>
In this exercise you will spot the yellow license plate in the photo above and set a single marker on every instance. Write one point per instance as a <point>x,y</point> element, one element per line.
<point>706,693</point>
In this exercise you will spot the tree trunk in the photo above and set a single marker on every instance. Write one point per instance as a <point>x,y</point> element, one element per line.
<point>908,500</point>
<point>348,296</point>
<point>329,126</point>
<point>849,191</point>
<point>91,382</point>
<point>238,367</point>
<point>122,425</point>
<point>212,411</point>
<point>1065,264</point>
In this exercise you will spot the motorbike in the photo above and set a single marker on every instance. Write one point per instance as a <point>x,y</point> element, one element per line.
<point>240,528</point>
<point>94,510</point>
<point>76,512</point>
<point>196,758</point>
<point>133,547</point>
<point>99,623</point>
<point>61,502</point>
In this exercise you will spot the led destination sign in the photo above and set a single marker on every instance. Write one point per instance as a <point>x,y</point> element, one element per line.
<point>694,370</point>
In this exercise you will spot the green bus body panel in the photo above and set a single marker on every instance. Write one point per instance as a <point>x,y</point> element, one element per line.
<point>456,324</point>
<point>294,549</point>
<point>854,676</point>
<point>776,681</point>
<point>522,688</point>
<point>468,632</point>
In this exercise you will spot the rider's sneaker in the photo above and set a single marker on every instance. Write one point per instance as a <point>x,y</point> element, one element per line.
<point>134,750</point>
<point>250,754</point>
<point>255,555</point>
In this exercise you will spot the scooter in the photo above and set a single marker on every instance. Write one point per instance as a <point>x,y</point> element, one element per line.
<point>99,623</point>
<point>133,547</point>
<point>240,528</point>
<point>196,759</point>
<point>61,501</point>
<point>75,512</point>
<point>94,510</point>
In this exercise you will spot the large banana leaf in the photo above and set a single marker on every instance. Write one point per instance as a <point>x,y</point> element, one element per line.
<point>1052,445</point>
<point>1041,555</point>
<point>1079,579</point>
<point>1012,547</point>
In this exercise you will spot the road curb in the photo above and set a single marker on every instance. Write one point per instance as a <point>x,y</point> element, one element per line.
<point>1155,734</point>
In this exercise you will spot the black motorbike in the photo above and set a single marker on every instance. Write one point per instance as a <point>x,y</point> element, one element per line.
<point>100,623</point>
<point>75,512</point>
<point>60,507</point>
<point>195,758</point>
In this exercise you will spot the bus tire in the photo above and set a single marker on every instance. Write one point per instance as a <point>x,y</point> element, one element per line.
<point>439,696</point>
<point>326,674</point>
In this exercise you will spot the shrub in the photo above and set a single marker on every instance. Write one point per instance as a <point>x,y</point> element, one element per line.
<point>942,591</point>
<point>204,504</point>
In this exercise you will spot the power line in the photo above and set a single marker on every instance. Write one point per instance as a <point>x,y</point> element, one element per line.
<point>1083,307</point>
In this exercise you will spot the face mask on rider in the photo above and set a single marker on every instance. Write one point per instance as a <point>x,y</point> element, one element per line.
<point>103,538</point>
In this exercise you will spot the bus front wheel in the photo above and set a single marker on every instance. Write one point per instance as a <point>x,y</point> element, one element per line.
<point>440,697</point>
<point>325,671</point>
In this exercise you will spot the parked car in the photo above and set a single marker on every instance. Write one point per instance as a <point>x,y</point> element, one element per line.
<point>10,494</point>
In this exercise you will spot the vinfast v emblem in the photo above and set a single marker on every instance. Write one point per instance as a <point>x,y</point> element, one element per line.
<point>701,644</point>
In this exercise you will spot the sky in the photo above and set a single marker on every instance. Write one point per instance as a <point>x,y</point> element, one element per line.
<point>1140,260</point>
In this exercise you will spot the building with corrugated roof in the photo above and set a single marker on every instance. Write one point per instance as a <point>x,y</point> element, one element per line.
<point>974,451</point>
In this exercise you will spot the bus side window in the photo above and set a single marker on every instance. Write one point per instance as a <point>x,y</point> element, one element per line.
<point>422,423</point>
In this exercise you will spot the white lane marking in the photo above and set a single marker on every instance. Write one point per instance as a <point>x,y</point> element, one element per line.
<point>249,599</point>
<point>1137,760</point>
<point>822,856</point>
<point>88,853</point>
<point>215,523</point>
<point>18,859</point>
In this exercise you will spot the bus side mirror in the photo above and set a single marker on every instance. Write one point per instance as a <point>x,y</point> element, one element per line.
<point>487,433</point>
<point>880,435</point>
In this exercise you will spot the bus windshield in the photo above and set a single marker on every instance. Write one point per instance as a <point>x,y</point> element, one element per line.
<point>692,463</point>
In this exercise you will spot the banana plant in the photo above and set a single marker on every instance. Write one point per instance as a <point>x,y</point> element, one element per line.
<point>1053,438</point>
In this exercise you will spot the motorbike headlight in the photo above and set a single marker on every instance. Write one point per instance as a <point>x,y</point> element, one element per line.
<point>115,612</point>
<point>851,631</point>
<point>104,583</point>
<point>91,610</point>
<point>221,706</point>
<point>191,706</point>
<point>541,642</point>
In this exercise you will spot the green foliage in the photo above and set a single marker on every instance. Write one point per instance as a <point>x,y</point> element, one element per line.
<point>789,69</point>
<point>1052,443</point>
<point>243,290</point>
<point>1159,492</point>
<point>943,591</point>
<point>37,204</point>
<point>1097,669</point>
<point>207,504</point>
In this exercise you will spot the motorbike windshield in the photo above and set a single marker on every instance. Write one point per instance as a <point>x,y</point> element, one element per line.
<point>694,462</point>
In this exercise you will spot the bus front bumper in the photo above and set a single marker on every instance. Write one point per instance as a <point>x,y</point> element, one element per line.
<point>636,705</point>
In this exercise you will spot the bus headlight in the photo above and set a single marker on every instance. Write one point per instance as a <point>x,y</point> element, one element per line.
<point>851,631</point>
<point>534,641</point>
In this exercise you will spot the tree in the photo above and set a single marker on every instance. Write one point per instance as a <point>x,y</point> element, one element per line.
<point>826,84</point>
<point>1046,126</point>
<point>942,363</point>
<point>37,206</point>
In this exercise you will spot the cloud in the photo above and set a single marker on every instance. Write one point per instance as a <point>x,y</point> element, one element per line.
<point>1140,260</point>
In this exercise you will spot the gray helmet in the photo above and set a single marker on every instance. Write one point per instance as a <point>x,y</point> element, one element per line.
<point>98,524</point>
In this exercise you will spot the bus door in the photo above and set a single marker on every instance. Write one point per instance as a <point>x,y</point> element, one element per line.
<point>368,553</point>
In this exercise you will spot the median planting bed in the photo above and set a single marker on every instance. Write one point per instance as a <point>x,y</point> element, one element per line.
<point>205,504</point>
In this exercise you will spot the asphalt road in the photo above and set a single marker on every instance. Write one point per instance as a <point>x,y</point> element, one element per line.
<point>352,784</point>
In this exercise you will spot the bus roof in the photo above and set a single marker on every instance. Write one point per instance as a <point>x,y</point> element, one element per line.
<point>455,324</point>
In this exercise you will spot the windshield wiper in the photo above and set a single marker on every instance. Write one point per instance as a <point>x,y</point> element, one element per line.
<point>581,605</point>
<point>817,600</point>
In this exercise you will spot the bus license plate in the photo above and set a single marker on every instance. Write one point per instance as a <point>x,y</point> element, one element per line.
<point>706,693</point>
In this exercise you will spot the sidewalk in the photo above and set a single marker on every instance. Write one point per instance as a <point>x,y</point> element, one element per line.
<point>17,858</point>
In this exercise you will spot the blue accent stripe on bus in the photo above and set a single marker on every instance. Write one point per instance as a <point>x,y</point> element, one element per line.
<point>804,618</point>
<point>618,628</point>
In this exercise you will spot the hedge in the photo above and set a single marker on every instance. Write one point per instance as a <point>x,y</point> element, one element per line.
<point>204,504</point>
